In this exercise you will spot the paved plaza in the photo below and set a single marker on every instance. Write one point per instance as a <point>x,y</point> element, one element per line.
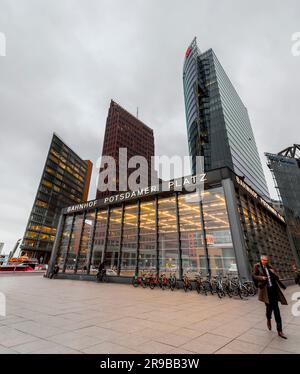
<point>65,316</point>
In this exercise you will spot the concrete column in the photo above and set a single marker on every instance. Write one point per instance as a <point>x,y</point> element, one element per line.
<point>90,253</point>
<point>156,235</point>
<point>178,236</point>
<point>121,239</point>
<point>56,244</point>
<point>236,230</point>
<point>138,238</point>
<point>106,234</point>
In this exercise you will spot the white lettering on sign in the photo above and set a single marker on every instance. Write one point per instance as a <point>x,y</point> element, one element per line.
<point>74,208</point>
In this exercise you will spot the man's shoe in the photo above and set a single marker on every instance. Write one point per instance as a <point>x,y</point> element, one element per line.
<point>281,334</point>
<point>269,324</point>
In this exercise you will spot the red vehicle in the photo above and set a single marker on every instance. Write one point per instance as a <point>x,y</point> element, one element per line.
<point>187,285</point>
<point>139,280</point>
<point>163,282</point>
<point>19,264</point>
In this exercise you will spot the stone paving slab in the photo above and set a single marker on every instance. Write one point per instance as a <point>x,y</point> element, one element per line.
<point>65,316</point>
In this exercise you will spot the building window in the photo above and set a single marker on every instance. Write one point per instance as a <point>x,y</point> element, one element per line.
<point>74,244</point>
<point>86,243</point>
<point>218,236</point>
<point>99,239</point>
<point>191,238</point>
<point>129,240</point>
<point>168,236</point>
<point>147,248</point>
<point>113,240</point>
<point>63,248</point>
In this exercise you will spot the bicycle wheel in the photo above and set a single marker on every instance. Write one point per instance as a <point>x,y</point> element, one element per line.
<point>203,289</point>
<point>144,283</point>
<point>151,284</point>
<point>172,285</point>
<point>134,282</point>
<point>235,290</point>
<point>219,292</point>
<point>228,291</point>
<point>208,287</point>
<point>251,289</point>
<point>244,291</point>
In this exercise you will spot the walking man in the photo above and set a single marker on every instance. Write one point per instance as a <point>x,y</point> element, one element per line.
<point>269,292</point>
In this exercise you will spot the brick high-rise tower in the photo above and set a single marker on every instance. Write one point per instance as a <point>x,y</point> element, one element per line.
<point>123,130</point>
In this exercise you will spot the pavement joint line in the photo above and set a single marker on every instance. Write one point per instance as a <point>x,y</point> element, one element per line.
<point>210,309</point>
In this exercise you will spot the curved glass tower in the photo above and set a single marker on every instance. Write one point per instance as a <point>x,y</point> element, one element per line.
<point>218,124</point>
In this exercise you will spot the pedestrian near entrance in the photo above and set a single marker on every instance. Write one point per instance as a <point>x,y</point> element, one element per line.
<point>54,271</point>
<point>268,283</point>
<point>101,271</point>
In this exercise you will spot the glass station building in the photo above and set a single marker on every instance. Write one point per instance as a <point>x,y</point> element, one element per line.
<point>173,231</point>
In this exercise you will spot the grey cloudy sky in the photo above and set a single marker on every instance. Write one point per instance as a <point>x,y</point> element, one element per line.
<point>66,59</point>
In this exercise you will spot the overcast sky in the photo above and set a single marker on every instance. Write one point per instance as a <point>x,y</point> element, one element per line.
<point>66,59</point>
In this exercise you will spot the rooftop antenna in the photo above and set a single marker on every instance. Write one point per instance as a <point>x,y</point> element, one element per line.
<point>137,112</point>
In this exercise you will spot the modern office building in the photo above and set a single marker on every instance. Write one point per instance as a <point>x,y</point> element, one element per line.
<point>123,130</point>
<point>165,231</point>
<point>218,124</point>
<point>65,180</point>
<point>285,167</point>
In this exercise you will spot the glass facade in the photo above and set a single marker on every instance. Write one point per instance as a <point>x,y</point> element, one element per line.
<point>286,171</point>
<point>148,237</point>
<point>218,124</point>
<point>73,249</point>
<point>264,235</point>
<point>129,240</point>
<point>168,235</point>
<point>218,236</point>
<point>175,232</point>
<point>191,235</point>
<point>165,234</point>
<point>97,246</point>
<point>113,239</point>
<point>64,181</point>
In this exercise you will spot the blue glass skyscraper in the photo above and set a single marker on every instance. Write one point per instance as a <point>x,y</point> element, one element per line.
<point>218,124</point>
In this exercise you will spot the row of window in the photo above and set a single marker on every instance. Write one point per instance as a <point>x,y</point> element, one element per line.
<point>128,244</point>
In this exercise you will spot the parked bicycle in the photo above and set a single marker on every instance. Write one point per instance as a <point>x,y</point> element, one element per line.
<point>201,286</point>
<point>187,285</point>
<point>173,282</point>
<point>163,281</point>
<point>223,285</point>
<point>139,280</point>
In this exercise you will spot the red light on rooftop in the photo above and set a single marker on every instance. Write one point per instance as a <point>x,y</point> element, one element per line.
<point>187,52</point>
